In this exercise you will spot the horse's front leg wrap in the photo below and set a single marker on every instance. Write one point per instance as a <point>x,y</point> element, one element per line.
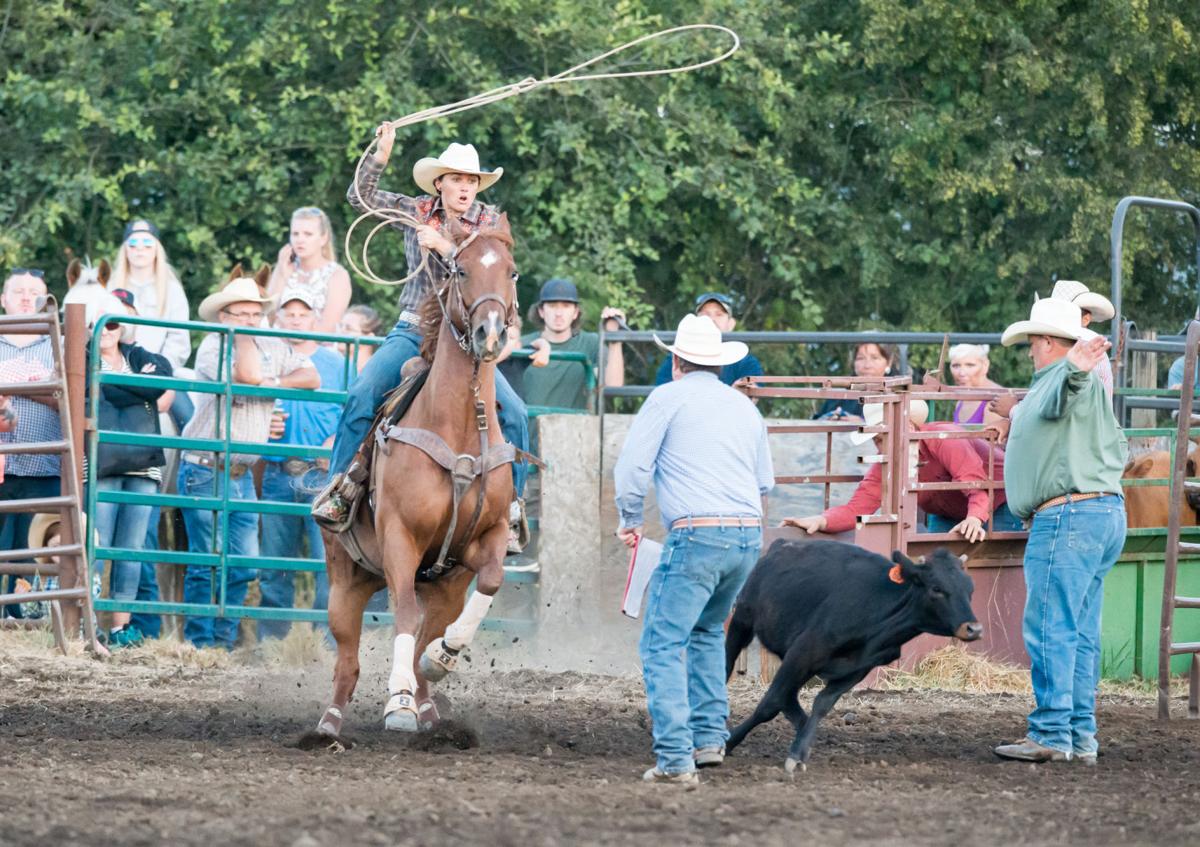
<point>461,632</point>
<point>402,677</point>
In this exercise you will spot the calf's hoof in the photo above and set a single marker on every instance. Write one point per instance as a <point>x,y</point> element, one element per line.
<point>438,660</point>
<point>401,713</point>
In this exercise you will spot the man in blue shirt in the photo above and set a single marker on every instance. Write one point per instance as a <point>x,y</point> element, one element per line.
<point>719,307</point>
<point>297,479</point>
<point>704,445</point>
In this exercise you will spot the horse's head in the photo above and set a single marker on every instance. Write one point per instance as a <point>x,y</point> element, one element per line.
<point>485,278</point>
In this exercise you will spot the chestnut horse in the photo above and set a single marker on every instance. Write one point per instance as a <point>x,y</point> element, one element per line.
<point>412,491</point>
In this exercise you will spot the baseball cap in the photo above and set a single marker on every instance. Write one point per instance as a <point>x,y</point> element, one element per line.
<point>561,290</point>
<point>724,299</point>
<point>124,295</point>
<point>140,225</point>
<point>305,297</point>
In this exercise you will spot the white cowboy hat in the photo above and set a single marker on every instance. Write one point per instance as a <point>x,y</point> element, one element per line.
<point>698,341</point>
<point>1049,316</point>
<point>1101,307</point>
<point>456,159</point>
<point>241,290</point>
<point>918,413</point>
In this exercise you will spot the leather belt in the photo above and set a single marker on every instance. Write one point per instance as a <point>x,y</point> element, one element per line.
<point>296,466</point>
<point>236,471</point>
<point>1072,498</point>
<point>684,523</point>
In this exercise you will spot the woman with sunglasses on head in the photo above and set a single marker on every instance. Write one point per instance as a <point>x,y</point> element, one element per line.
<point>129,468</point>
<point>141,267</point>
<point>308,264</point>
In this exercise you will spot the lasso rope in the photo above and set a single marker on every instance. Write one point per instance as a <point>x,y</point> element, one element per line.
<point>387,217</point>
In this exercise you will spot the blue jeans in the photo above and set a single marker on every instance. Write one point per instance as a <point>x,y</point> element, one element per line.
<point>283,537</point>
<point>1070,549</point>
<point>683,638</point>
<point>1002,521</point>
<point>382,373</point>
<point>198,587</point>
<point>148,624</point>
<point>123,526</point>
<point>14,528</point>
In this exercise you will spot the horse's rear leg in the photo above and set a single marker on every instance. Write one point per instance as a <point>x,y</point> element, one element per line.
<point>487,556</point>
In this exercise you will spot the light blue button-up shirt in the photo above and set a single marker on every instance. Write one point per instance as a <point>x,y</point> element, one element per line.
<point>704,444</point>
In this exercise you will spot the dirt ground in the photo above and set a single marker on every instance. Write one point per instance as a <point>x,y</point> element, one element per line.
<point>164,746</point>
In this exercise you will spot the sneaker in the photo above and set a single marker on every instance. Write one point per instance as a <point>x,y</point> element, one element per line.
<point>1028,750</point>
<point>1087,758</point>
<point>127,636</point>
<point>518,527</point>
<point>688,779</point>
<point>708,757</point>
<point>523,567</point>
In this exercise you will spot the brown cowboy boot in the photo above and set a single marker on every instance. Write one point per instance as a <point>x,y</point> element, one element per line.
<point>329,508</point>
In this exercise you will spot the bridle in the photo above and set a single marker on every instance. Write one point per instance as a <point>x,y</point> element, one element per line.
<point>452,295</point>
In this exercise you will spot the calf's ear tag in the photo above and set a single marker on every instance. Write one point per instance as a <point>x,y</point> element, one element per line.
<point>894,575</point>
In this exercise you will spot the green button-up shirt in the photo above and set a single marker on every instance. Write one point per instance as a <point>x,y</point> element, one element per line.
<point>1064,440</point>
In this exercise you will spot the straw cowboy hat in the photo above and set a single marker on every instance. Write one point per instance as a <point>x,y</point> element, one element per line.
<point>44,525</point>
<point>1049,316</point>
<point>1100,307</point>
<point>241,290</point>
<point>918,413</point>
<point>698,341</point>
<point>456,159</point>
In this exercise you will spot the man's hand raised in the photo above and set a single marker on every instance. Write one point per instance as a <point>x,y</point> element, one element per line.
<point>386,134</point>
<point>1085,355</point>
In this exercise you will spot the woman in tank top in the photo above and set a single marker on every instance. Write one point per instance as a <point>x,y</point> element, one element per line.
<point>969,367</point>
<point>308,263</point>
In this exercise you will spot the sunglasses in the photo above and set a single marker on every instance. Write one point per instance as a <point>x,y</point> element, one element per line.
<point>112,326</point>
<point>143,241</point>
<point>244,316</point>
<point>38,272</point>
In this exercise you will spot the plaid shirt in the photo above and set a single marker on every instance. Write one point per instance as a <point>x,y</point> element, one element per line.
<point>250,418</point>
<point>423,208</point>
<point>35,421</point>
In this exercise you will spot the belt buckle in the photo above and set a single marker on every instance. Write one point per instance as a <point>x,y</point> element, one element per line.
<point>295,467</point>
<point>237,470</point>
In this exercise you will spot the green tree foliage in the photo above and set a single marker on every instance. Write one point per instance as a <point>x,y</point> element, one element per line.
<point>927,164</point>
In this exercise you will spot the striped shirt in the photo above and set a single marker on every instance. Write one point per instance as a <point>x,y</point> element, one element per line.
<point>366,193</point>
<point>36,421</point>
<point>704,444</point>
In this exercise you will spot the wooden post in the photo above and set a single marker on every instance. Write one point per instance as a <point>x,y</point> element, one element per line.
<point>1144,374</point>
<point>75,365</point>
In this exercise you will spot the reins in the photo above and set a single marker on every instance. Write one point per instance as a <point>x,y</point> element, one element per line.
<point>387,217</point>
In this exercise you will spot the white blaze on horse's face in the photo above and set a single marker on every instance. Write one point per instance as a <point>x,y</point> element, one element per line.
<point>489,258</point>
<point>489,334</point>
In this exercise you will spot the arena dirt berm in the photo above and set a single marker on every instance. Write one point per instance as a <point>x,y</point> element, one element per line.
<point>151,747</point>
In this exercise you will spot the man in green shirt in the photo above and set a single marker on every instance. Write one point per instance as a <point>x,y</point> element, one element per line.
<point>564,384</point>
<point>1063,467</point>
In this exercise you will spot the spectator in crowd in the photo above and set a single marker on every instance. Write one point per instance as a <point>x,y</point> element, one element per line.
<point>452,183</point>
<point>1092,307</point>
<point>1066,455</point>
<point>295,479</point>
<point>8,422</point>
<point>144,624</point>
<point>969,365</point>
<point>141,268</point>
<point>949,460</point>
<point>704,446</point>
<point>27,358</point>
<point>564,384</point>
<point>871,359</point>
<point>719,307</point>
<point>362,321</point>
<point>256,360</point>
<point>308,263</point>
<point>129,468</point>
<point>512,367</point>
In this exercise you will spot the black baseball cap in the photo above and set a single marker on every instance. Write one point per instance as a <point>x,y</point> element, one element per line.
<point>558,290</point>
<point>124,295</point>
<point>724,299</point>
<point>141,226</point>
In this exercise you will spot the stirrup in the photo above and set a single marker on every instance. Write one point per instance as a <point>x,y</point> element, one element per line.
<point>438,660</point>
<point>330,508</point>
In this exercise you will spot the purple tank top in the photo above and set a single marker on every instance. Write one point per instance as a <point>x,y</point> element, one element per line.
<point>976,418</point>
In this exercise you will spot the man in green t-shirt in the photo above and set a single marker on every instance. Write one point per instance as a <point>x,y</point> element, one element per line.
<point>564,384</point>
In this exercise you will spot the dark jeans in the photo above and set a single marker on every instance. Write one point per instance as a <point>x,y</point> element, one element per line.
<point>148,624</point>
<point>14,529</point>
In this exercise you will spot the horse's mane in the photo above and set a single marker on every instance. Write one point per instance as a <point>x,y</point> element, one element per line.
<point>429,312</point>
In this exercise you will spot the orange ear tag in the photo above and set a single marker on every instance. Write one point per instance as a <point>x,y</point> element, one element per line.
<point>894,575</point>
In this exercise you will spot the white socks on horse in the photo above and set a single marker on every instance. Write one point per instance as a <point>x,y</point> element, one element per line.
<point>402,677</point>
<point>462,631</point>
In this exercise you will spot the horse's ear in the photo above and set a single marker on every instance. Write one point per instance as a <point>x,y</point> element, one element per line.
<point>104,269</point>
<point>455,231</point>
<point>73,271</point>
<point>236,273</point>
<point>262,278</point>
<point>503,226</point>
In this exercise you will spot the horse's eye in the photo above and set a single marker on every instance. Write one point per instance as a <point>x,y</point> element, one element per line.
<point>515,276</point>
<point>462,273</point>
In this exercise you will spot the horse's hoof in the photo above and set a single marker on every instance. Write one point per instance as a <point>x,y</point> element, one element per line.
<point>789,766</point>
<point>438,660</point>
<point>320,740</point>
<point>401,713</point>
<point>427,716</point>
